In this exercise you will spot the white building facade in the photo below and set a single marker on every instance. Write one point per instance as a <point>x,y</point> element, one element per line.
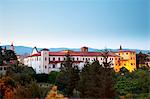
<point>45,61</point>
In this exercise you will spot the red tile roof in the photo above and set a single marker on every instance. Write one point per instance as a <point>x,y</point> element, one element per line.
<point>73,53</point>
<point>37,54</point>
<point>54,62</point>
<point>125,51</point>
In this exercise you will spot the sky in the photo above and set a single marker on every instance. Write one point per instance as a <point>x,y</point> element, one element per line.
<point>76,23</point>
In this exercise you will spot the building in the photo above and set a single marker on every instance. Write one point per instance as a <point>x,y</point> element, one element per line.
<point>45,61</point>
<point>127,59</point>
<point>5,64</point>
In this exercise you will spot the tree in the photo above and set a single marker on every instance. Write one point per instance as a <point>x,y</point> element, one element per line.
<point>1,56</point>
<point>90,85</point>
<point>10,55</point>
<point>134,83</point>
<point>21,74</point>
<point>96,80</point>
<point>52,77</point>
<point>68,77</point>
<point>42,78</point>
<point>108,82</point>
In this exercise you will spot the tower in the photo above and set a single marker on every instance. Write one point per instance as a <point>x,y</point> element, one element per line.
<point>12,47</point>
<point>44,60</point>
<point>120,47</point>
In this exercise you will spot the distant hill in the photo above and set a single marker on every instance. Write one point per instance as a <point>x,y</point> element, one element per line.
<point>20,50</point>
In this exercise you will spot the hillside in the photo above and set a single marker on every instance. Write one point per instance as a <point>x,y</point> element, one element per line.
<point>27,50</point>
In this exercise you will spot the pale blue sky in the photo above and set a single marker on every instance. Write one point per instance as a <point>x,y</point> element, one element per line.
<point>75,23</point>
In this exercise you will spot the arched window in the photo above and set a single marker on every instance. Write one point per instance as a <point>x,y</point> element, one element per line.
<point>59,58</point>
<point>53,58</point>
<point>53,65</point>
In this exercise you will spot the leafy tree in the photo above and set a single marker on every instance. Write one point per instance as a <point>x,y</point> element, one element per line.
<point>42,78</point>
<point>1,56</point>
<point>30,90</point>
<point>135,83</point>
<point>10,55</point>
<point>96,80</point>
<point>7,85</point>
<point>68,77</point>
<point>21,74</point>
<point>52,76</point>
<point>90,81</point>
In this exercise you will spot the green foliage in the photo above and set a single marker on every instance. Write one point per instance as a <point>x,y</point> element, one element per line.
<point>99,81</point>
<point>42,78</point>
<point>21,74</point>
<point>68,77</point>
<point>136,82</point>
<point>7,55</point>
<point>10,55</point>
<point>52,77</point>
<point>31,90</point>
<point>1,56</point>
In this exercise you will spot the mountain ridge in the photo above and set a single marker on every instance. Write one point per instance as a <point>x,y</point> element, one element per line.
<point>21,50</point>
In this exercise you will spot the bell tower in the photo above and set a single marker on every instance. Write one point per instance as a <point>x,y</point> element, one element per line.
<point>120,47</point>
<point>12,47</point>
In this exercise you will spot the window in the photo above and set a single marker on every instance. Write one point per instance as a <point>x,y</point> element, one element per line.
<point>131,58</point>
<point>53,65</point>
<point>53,58</point>
<point>83,59</point>
<point>116,64</point>
<point>37,58</point>
<point>112,58</point>
<point>39,66</point>
<point>127,53</point>
<point>73,59</point>
<point>45,58</point>
<point>124,64</point>
<point>59,58</point>
<point>88,58</point>
<point>77,59</point>
<point>4,68</point>
<point>131,64</point>
<point>64,59</point>
<point>1,68</point>
<point>115,58</point>
<point>45,66</point>
<point>101,58</point>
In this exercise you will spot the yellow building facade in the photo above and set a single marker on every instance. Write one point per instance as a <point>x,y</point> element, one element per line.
<point>126,59</point>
